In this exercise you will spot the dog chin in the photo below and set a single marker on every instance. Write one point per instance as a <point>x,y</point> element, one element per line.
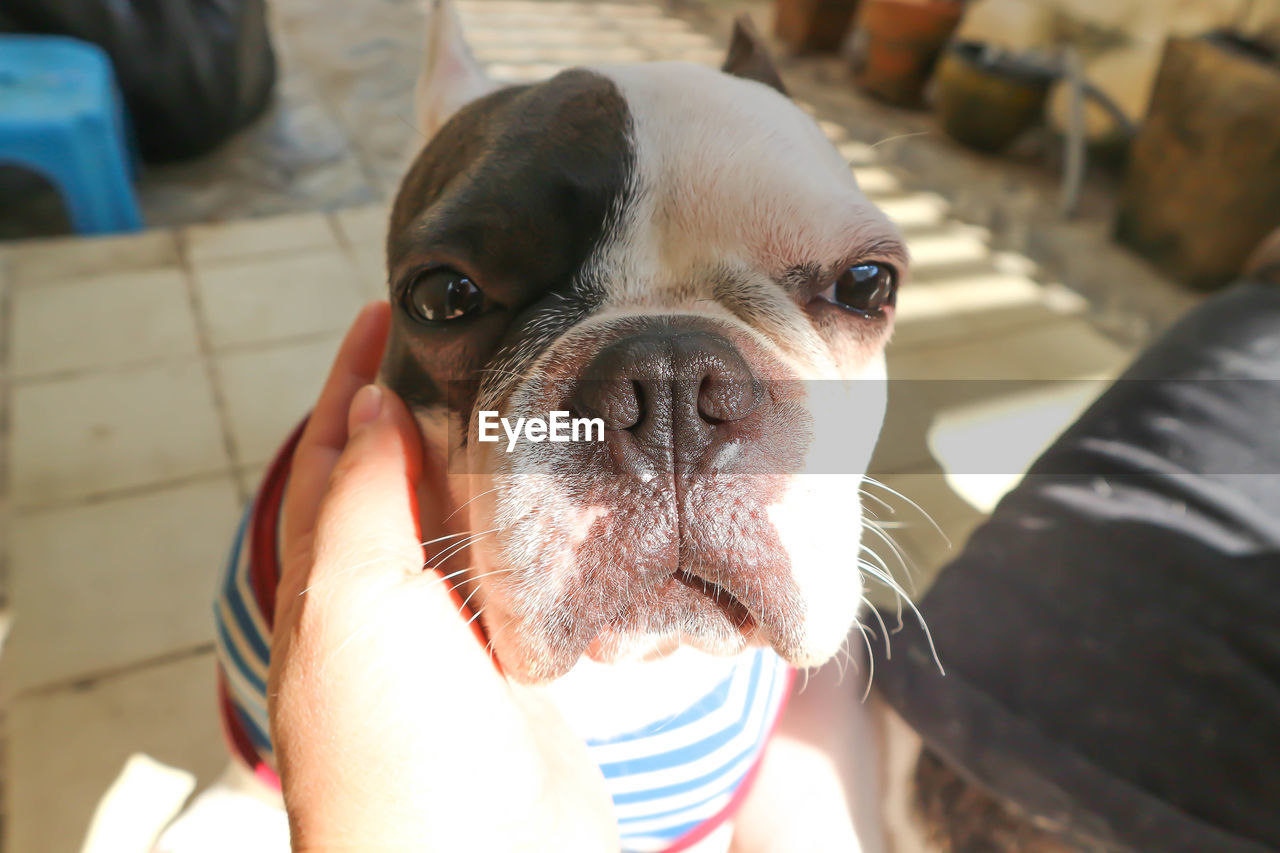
<point>613,647</point>
<point>619,647</point>
<point>686,612</point>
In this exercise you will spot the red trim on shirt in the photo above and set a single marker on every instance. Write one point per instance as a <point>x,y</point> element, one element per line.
<point>264,565</point>
<point>238,740</point>
<point>264,577</point>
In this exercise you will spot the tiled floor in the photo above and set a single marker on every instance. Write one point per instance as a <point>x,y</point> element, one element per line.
<point>148,378</point>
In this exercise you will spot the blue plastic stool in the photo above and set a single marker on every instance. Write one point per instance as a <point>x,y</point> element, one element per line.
<point>62,116</point>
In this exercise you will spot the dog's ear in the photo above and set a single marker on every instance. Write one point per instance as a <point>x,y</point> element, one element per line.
<point>749,58</point>
<point>451,77</point>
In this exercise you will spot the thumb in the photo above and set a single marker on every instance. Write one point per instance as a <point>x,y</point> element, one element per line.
<point>368,539</point>
<point>368,522</point>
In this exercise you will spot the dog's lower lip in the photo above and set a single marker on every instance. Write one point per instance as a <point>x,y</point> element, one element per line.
<point>736,612</point>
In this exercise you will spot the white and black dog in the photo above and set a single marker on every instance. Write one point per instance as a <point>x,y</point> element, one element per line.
<point>678,253</point>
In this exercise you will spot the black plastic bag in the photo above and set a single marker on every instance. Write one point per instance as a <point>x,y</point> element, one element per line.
<point>192,71</point>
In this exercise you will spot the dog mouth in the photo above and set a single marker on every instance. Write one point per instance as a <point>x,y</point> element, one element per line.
<point>689,610</point>
<point>719,599</point>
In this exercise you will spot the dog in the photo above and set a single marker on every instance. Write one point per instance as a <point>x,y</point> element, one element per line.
<point>677,255</point>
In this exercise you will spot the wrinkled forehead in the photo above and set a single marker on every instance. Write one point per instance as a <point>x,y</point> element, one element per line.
<point>683,164</point>
<point>730,167</point>
<point>524,177</point>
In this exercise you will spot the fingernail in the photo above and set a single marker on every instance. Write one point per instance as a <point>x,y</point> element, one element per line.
<point>364,407</point>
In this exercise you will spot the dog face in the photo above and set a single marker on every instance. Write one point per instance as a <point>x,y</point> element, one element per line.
<point>677,252</point>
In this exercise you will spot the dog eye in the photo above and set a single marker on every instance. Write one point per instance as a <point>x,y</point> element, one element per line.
<point>441,295</point>
<point>866,288</point>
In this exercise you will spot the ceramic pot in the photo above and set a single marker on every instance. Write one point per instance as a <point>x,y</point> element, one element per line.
<point>986,97</point>
<point>897,45</point>
<point>808,26</point>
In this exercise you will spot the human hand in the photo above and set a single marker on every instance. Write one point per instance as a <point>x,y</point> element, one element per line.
<point>392,727</point>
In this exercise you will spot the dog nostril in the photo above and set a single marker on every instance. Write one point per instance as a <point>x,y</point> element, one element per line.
<point>618,404</point>
<point>723,398</point>
<point>637,393</point>
<point>708,407</point>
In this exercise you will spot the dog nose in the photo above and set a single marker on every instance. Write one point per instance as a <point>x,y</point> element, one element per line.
<point>666,395</point>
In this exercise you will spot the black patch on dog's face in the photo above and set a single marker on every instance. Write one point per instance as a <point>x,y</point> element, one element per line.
<point>517,191</point>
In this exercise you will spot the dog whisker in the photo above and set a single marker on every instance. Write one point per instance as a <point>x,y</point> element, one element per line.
<point>903,597</point>
<point>465,539</point>
<point>871,661</point>
<point>354,634</point>
<point>887,573</point>
<point>467,601</point>
<point>443,538</point>
<point>497,371</point>
<point>881,534</point>
<point>894,492</point>
<point>340,573</point>
<point>451,575</point>
<point>888,652</point>
<point>864,493</point>
<point>841,660</point>
<point>898,136</point>
<point>349,569</point>
<point>439,559</point>
<point>469,502</point>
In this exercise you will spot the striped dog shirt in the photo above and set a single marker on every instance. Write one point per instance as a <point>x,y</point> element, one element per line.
<point>678,758</point>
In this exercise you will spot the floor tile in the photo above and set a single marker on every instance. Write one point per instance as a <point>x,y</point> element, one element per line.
<point>364,228</point>
<point>876,182</point>
<point>70,257</point>
<point>6,313</point>
<point>269,391</point>
<point>144,590</point>
<point>1070,349</point>
<point>67,747</point>
<point>916,211</point>
<point>858,153</point>
<point>249,478</point>
<point>269,298</point>
<point>221,241</point>
<point>102,321</point>
<point>108,431</point>
<point>371,271</point>
<point>954,245</point>
<point>973,304</point>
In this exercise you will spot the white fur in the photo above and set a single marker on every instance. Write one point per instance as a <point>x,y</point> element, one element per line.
<point>733,186</point>
<point>733,172</point>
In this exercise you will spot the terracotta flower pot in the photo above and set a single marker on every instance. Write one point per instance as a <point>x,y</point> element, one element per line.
<point>986,97</point>
<point>812,25</point>
<point>897,45</point>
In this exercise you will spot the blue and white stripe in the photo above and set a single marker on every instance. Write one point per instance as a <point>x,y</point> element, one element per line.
<point>669,777</point>
<point>242,642</point>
